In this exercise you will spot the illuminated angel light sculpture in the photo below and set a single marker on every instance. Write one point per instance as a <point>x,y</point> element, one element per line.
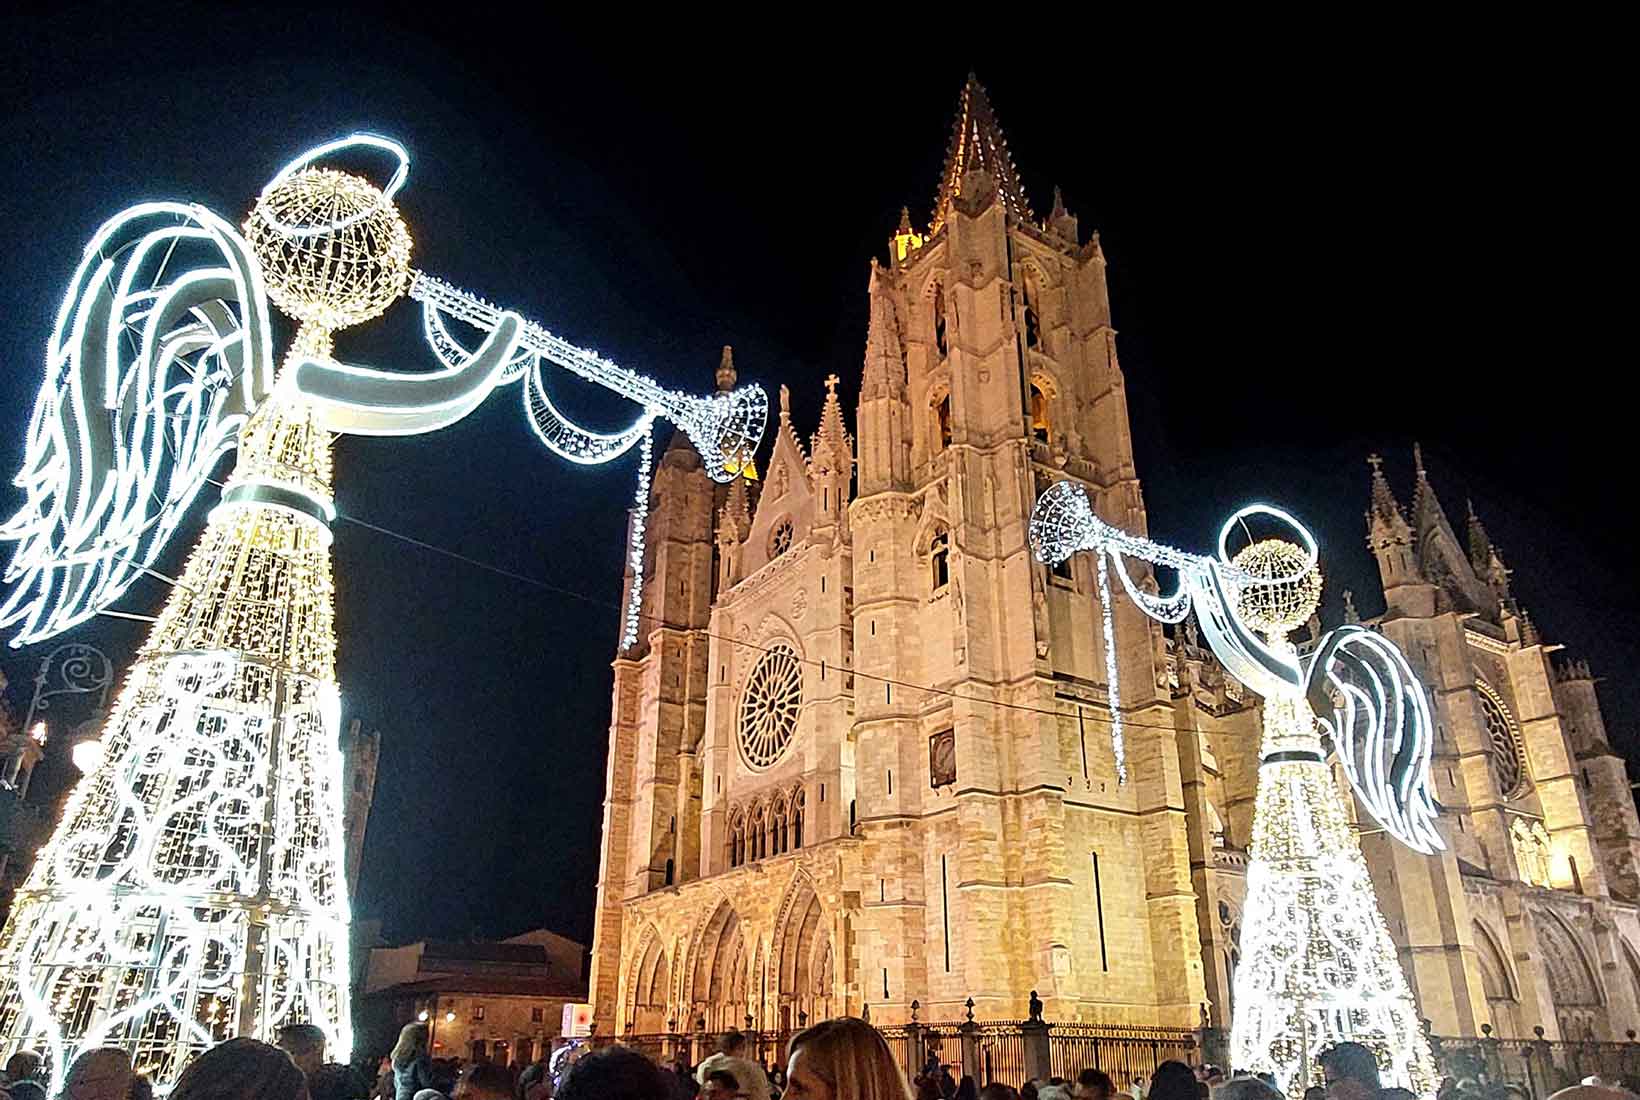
<point>193,889</point>
<point>1318,965</point>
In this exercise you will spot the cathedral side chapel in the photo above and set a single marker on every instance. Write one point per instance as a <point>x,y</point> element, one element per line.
<point>859,756</point>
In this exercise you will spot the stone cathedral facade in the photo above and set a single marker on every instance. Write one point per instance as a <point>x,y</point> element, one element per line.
<point>859,757</point>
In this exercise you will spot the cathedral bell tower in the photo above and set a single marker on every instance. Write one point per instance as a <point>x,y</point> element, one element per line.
<point>652,798</point>
<point>1007,854</point>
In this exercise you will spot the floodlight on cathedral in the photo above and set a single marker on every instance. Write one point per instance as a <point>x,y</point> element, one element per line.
<point>193,889</point>
<point>1318,964</point>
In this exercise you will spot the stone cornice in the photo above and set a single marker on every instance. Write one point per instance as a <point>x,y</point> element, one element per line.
<point>1483,642</point>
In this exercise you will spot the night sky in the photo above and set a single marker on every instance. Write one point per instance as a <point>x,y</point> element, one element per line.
<point>1308,261</point>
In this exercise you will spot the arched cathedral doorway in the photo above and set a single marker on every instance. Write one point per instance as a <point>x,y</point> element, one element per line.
<point>719,979</point>
<point>650,984</point>
<point>806,978</point>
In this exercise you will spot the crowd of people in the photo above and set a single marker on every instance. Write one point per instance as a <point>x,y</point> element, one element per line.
<point>841,1059</point>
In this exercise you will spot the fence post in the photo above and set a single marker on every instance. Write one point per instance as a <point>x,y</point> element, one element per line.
<point>1038,1055</point>
<point>969,1034</point>
<point>1540,1067</point>
<point>914,1041</point>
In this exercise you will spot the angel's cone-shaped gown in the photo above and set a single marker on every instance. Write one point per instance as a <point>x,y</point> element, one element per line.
<point>193,890</point>
<point>1317,962</point>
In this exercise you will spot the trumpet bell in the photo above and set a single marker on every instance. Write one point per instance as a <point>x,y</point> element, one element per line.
<point>726,429</point>
<point>1062,522</point>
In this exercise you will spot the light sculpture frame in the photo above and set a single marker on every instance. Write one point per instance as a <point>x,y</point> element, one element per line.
<point>193,889</point>
<point>1317,962</point>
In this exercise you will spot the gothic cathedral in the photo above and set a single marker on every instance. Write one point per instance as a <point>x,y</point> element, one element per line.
<point>859,756</point>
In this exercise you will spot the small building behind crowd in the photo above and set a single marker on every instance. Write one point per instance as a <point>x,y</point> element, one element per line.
<point>500,1002</point>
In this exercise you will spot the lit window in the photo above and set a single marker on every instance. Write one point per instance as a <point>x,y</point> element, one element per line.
<point>478,1012</point>
<point>1040,427</point>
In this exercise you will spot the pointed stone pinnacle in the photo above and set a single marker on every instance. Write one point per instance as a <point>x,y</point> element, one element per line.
<point>726,369</point>
<point>978,146</point>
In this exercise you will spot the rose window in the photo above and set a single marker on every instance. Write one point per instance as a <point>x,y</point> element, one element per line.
<point>1502,743</point>
<point>780,539</point>
<point>769,705</point>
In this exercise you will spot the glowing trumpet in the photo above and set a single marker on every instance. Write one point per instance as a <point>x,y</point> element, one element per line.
<point>725,427</point>
<point>1371,705</point>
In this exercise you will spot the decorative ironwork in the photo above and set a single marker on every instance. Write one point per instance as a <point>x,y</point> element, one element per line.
<point>81,670</point>
<point>770,705</point>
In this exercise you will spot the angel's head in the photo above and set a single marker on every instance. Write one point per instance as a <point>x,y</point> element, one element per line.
<point>1281,586</point>
<point>333,249</point>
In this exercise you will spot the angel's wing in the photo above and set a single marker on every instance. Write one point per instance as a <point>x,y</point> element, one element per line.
<point>1381,730</point>
<point>161,351</point>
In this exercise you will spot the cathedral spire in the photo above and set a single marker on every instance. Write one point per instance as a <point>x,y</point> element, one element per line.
<point>977,145</point>
<point>832,437</point>
<point>1424,503</point>
<point>1488,563</point>
<point>1480,544</point>
<point>885,356</point>
<point>726,376</point>
<point>1386,522</point>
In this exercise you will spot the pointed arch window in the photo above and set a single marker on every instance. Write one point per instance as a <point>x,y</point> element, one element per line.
<point>737,838</point>
<point>939,558</point>
<point>1533,855</point>
<point>757,836</point>
<point>939,321</point>
<point>779,826</point>
<point>942,419</point>
<point>797,817</point>
<point>1031,312</point>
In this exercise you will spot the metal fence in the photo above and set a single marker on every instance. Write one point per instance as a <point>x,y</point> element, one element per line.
<point>1122,1052</point>
<point>1001,1051</point>
<point>1001,1054</point>
<point>1538,1065</point>
<point>992,1052</point>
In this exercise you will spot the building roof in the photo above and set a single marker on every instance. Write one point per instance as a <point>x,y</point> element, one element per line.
<point>487,985</point>
<point>519,954</point>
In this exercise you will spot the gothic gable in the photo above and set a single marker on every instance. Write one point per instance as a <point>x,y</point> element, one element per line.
<point>1441,556</point>
<point>785,507</point>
